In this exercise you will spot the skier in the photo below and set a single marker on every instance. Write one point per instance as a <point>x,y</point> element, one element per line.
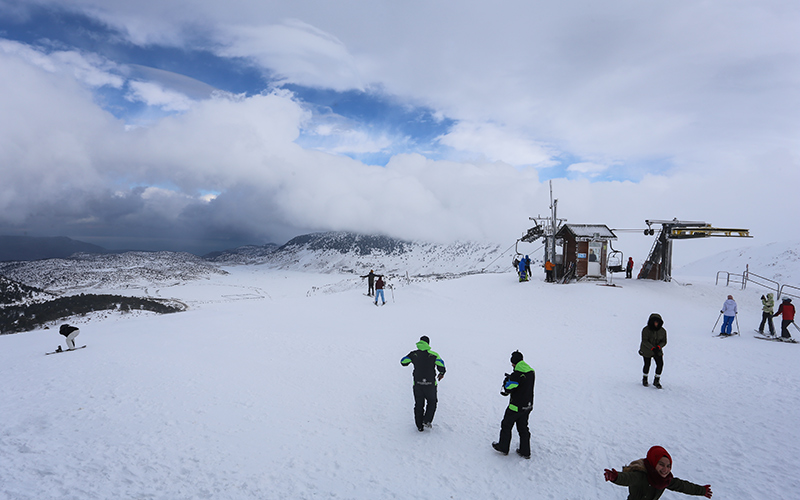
<point>654,338</point>
<point>548,271</point>
<point>379,290</point>
<point>629,268</point>
<point>767,306</point>
<point>519,385</point>
<point>528,273</point>
<point>371,282</point>
<point>70,332</point>
<point>647,478</point>
<point>523,274</point>
<point>728,311</point>
<point>786,310</point>
<point>426,364</point>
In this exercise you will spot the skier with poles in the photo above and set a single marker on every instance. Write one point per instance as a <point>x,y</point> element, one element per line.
<point>371,282</point>
<point>729,311</point>
<point>786,311</point>
<point>767,306</point>
<point>648,477</point>
<point>379,284</point>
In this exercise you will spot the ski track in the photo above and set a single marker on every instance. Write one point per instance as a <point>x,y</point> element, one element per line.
<point>300,394</point>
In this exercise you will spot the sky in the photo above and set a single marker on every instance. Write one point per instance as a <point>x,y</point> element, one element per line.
<point>201,126</point>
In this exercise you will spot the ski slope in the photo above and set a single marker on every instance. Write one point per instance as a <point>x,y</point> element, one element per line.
<point>287,385</point>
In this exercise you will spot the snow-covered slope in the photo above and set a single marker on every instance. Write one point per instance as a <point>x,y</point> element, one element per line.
<point>278,384</point>
<point>775,261</point>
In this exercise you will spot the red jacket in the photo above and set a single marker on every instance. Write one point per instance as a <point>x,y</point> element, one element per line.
<point>787,310</point>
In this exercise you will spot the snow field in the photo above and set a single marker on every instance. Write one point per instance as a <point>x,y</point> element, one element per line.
<point>288,385</point>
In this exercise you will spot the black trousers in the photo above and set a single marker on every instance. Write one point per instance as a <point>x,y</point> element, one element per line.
<point>785,328</point>
<point>520,419</point>
<point>423,413</point>
<point>766,318</point>
<point>659,365</point>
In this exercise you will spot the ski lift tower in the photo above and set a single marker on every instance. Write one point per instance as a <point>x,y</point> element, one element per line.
<point>658,265</point>
<point>550,226</point>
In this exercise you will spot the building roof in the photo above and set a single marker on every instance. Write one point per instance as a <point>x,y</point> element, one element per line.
<point>587,232</point>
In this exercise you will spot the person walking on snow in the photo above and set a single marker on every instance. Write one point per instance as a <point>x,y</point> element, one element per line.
<point>70,332</point>
<point>379,290</point>
<point>786,309</point>
<point>426,363</point>
<point>518,385</point>
<point>767,306</point>
<point>654,338</point>
<point>371,282</point>
<point>648,477</point>
<point>629,268</point>
<point>728,311</point>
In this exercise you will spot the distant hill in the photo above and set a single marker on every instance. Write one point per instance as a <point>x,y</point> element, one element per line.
<point>36,248</point>
<point>352,253</point>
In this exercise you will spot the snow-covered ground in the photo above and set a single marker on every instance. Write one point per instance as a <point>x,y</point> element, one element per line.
<point>287,385</point>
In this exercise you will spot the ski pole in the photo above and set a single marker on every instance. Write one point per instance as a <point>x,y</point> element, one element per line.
<point>795,325</point>
<point>391,287</point>
<point>715,323</point>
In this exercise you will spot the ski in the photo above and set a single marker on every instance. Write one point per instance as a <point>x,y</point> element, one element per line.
<point>734,334</point>
<point>66,350</point>
<point>777,339</point>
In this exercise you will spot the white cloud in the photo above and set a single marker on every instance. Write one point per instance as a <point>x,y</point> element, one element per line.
<point>496,143</point>
<point>154,94</point>
<point>588,168</point>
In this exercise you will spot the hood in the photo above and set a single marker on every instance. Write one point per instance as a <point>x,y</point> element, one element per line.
<point>423,346</point>
<point>523,367</point>
<point>652,319</point>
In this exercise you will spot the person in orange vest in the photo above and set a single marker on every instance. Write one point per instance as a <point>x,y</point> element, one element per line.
<point>548,271</point>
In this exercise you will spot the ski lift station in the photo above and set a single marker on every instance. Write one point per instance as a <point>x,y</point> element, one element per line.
<point>585,249</point>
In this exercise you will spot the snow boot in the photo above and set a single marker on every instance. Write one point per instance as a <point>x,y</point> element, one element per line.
<point>644,381</point>
<point>527,457</point>
<point>657,383</point>
<point>497,448</point>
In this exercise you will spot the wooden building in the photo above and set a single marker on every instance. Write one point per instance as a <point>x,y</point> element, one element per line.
<point>585,249</point>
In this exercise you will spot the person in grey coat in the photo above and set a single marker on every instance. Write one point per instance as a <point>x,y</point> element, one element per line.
<point>728,311</point>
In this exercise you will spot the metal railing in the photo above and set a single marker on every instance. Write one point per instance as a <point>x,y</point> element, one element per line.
<point>748,277</point>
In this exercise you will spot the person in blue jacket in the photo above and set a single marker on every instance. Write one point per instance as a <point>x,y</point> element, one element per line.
<point>426,363</point>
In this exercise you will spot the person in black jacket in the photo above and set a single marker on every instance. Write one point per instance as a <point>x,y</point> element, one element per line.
<point>70,332</point>
<point>519,386</point>
<point>426,363</point>
<point>371,282</point>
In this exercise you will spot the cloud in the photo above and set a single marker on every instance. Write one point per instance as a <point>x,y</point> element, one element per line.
<point>154,94</point>
<point>496,143</point>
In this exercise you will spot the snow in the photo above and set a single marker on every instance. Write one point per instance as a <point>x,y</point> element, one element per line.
<point>280,384</point>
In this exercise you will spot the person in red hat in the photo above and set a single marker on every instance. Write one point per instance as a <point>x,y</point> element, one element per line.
<point>647,478</point>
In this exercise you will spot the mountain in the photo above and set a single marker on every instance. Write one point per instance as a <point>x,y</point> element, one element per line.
<point>34,248</point>
<point>350,253</point>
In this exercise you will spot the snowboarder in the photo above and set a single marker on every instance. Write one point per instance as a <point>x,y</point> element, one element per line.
<point>647,478</point>
<point>767,306</point>
<point>548,271</point>
<point>728,311</point>
<point>654,338</point>
<point>629,268</point>
<point>786,310</point>
<point>519,386</point>
<point>379,291</point>
<point>426,363</point>
<point>523,274</point>
<point>371,282</point>
<point>70,332</point>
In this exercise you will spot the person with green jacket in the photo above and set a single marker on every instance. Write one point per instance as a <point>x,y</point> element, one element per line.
<point>767,306</point>
<point>654,338</point>
<point>426,363</point>
<point>648,477</point>
<point>518,385</point>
